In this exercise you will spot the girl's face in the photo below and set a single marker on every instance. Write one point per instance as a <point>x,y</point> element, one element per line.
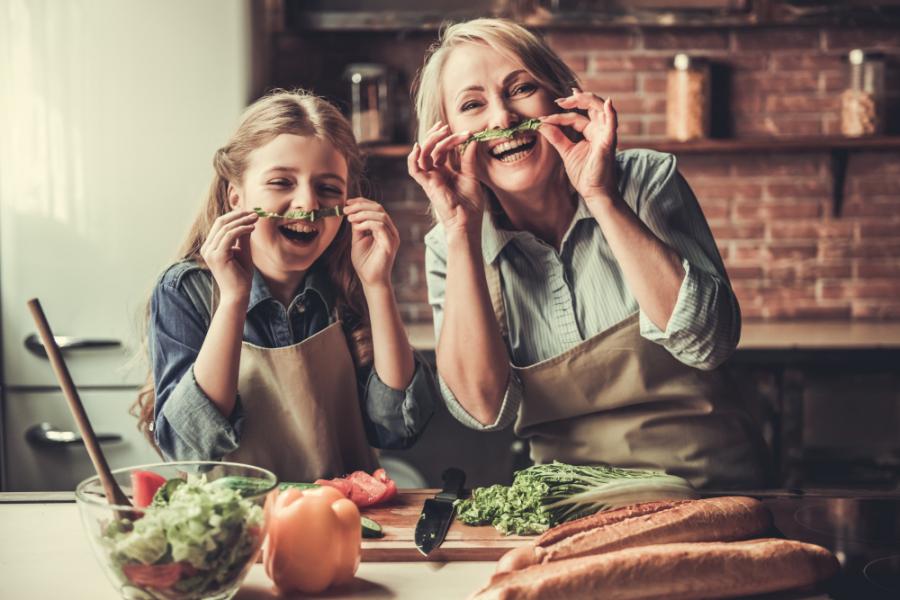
<point>485,89</point>
<point>292,172</point>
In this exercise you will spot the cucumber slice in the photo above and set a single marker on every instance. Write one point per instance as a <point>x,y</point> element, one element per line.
<point>371,528</point>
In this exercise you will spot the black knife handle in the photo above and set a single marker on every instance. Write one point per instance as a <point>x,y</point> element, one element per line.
<point>454,479</point>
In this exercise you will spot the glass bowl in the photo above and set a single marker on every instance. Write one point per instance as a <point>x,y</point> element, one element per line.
<point>199,542</point>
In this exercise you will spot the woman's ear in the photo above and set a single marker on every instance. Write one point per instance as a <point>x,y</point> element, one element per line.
<point>234,196</point>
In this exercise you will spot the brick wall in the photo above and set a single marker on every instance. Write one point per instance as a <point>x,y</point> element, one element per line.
<point>771,213</point>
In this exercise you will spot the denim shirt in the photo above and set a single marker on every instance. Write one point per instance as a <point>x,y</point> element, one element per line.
<point>187,425</point>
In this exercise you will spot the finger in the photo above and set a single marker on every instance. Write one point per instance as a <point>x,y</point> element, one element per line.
<point>612,124</point>
<point>367,215</point>
<point>230,237</point>
<point>445,146</point>
<point>378,231</point>
<point>412,163</point>
<point>431,140</point>
<point>574,120</point>
<point>582,100</point>
<point>468,165</point>
<point>557,139</point>
<point>355,205</point>
<point>225,225</point>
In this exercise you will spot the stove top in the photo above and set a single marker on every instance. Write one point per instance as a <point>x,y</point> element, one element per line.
<point>863,533</point>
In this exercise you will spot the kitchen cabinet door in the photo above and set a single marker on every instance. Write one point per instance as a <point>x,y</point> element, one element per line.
<point>40,452</point>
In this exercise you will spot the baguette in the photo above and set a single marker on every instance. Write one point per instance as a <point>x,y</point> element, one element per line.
<point>682,571</point>
<point>711,520</point>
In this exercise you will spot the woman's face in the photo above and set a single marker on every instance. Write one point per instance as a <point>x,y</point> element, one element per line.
<point>292,172</point>
<point>484,89</point>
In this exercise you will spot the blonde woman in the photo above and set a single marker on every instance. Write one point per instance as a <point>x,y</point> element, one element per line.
<point>277,341</point>
<point>576,291</point>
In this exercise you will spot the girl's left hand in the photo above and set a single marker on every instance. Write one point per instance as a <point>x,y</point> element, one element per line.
<point>591,162</point>
<point>374,243</point>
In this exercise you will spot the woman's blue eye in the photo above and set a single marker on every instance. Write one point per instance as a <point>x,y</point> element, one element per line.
<point>468,106</point>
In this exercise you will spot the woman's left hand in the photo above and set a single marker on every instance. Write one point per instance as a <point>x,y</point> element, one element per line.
<point>374,242</point>
<point>591,162</point>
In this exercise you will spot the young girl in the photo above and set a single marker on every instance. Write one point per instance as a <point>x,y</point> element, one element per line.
<point>277,341</point>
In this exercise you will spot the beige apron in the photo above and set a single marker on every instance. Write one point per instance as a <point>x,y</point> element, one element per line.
<point>622,400</point>
<point>302,415</point>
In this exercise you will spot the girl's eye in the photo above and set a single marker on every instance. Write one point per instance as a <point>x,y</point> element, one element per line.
<point>280,182</point>
<point>525,88</point>
<point>329,190</point>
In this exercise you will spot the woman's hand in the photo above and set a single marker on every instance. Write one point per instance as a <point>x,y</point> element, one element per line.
<point>226,251</point>
<point>374,242</point>
<point>450,184</point>
<point>591,162</point>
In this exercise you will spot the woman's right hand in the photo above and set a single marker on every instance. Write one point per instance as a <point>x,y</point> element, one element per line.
<point>454,191</point>
<point>226,251</point>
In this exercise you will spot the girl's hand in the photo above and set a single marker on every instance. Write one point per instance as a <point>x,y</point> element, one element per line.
<point>227,254</point>
<point>591,162</point>
<point>374,242</point>
<point>450,182</point>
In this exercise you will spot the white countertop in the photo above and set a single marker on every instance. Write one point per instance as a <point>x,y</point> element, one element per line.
<point>45,554</point>
<point>770,335</point>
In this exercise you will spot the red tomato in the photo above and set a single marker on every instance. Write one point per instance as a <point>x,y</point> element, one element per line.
<point>158,577</point>
<point>341,485</point>
<point>366,489</point>
<point>144,485</point>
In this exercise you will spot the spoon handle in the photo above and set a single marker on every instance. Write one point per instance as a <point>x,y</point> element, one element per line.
<point>114,493</point>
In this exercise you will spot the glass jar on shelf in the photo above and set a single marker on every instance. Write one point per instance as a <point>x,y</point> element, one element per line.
<point>688,99</point>
<point>862,103</point>
<point>370,109</point>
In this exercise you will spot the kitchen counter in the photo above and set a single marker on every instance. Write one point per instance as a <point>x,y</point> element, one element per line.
<point>45,553</point>
<point>769,335</point>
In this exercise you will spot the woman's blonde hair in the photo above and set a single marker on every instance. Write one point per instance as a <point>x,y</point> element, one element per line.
<point>506,37</point>
<point>295,112</point>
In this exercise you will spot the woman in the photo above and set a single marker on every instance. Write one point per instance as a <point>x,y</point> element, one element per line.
<point>576,291</point>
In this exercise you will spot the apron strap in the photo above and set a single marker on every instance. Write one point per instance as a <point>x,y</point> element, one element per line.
<point>495,289</point>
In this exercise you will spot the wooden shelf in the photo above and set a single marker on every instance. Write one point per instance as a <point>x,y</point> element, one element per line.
<point>714,146</point>
<point>838,146</point>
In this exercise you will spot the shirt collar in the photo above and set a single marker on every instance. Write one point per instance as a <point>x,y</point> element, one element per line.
<point>314,282</point>
<point>494,237</point>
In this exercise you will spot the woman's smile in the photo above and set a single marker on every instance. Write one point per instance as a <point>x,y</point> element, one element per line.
<point>515,149</point>
<point>299,232</point>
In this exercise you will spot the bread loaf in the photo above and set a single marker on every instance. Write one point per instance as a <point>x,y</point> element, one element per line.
<point>710,520</point>
<point>682,571</point>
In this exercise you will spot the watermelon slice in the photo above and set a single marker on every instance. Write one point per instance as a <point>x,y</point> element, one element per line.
<point>144,485</point>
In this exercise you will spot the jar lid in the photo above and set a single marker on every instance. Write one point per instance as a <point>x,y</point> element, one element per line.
<point>858,56</point>
<point>683,62</point>
<point>359,71</point>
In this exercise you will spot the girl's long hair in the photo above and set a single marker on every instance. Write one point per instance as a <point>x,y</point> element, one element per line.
<point>294,112</point>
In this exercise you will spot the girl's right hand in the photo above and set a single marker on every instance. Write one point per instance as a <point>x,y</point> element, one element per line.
<point>227,253</point>
<point>455,192</point>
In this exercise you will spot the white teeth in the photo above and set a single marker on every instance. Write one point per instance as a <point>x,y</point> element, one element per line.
<point>299,227</point>
<point>507,146</point>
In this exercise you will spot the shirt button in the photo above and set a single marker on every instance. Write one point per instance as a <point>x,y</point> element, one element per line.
<point>301,308</point>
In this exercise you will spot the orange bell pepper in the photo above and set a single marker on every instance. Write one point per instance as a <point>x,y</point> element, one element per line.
<point>314,539</point>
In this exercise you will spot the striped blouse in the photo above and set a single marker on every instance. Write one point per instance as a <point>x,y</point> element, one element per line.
<point>558,299</point>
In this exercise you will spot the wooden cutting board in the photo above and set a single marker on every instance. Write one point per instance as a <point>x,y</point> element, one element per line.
<point>398,519</point>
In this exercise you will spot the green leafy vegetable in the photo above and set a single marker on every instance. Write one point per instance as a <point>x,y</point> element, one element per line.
<point>302,215</point>
<point>209,527</point>
<point>493,134</point>
<point>543,496</point>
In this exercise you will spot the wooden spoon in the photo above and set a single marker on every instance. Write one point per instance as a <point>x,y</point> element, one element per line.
<point>114,494</point>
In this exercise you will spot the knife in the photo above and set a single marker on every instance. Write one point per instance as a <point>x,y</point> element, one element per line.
<point>437,513</point>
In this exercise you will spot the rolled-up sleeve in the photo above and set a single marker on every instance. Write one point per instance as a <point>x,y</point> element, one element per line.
<point>436,279</point>
<point>187,425</point>
<point>705,325</point>
<point>394,418</point>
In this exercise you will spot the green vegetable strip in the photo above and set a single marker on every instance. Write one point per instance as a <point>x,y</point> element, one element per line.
<point>302,215</point>
<point>493,134</point>
<point>543,496</point>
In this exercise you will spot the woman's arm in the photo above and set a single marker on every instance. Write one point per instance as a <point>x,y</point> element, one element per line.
<point>471,356</point>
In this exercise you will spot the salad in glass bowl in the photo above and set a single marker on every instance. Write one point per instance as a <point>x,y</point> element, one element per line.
<point>194,531</point>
